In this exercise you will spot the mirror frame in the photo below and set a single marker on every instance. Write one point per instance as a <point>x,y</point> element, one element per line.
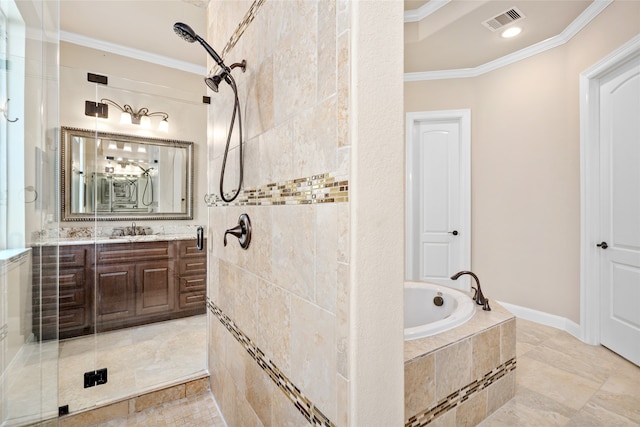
<point>65,179</point>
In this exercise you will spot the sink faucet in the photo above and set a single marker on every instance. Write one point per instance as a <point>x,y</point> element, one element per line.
<point>478,297</point>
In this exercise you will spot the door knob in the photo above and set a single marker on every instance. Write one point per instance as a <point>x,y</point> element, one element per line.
<point>602,245</point>
<point>454,232</point>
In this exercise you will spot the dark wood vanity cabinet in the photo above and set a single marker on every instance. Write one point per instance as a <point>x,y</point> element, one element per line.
<point>192,275</point>
<point>61,301</point>
<point>135,283</point>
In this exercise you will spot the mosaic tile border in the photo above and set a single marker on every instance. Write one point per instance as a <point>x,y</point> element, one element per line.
<point>323,188</point>
<point>458,397</point>
<point>293,393</point>
<point>242,27</point>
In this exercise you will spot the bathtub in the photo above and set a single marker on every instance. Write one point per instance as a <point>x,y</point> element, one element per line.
<point>423,318</point>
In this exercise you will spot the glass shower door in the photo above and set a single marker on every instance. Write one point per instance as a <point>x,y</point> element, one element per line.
<point>28,224</point>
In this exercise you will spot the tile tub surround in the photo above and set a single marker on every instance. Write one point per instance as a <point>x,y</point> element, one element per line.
<point>464,374</point>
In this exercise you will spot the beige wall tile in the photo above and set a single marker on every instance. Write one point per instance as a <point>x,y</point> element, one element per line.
<point>295,84</point>
<point>260,94</point>
<point>501,392</point>
<point>326,48</point>
<point>419,385</point>
<point>326,276</point>
<point>342,317</point>
<point>507,340</point>
<point>343,402</point>
<point>472,411</point>
<point>196,387</point>
<point>274,325</point>
<point>313,354</point>
<point>343,89</point>
<point>284,413</point>
<point>343,232</point>
<point>276,159</point>
<point>166,395</point>
<point>314,135</point>
<point>453,368</point>
<point>485,352</point>
<point>448,419</point>
<point>293,256</point>
<point>259,393</point>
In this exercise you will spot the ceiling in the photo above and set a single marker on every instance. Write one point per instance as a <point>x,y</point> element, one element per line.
<point>143,25</point>
<point>450,36</point>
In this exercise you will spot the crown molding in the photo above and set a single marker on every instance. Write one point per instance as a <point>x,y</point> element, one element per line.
<point>567,34</point>
<point>423,11</point>
<point>129,52</point>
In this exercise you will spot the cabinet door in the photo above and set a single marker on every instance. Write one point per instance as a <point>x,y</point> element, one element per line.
<point>115,290</point>
<point>156,288</point>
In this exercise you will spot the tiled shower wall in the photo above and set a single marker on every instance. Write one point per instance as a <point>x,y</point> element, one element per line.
<point>279,311</point>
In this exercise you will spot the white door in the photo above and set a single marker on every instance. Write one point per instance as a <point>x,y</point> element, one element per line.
<point>620,211</point>
<point>439,211</point>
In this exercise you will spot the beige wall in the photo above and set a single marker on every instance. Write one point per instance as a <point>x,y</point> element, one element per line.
<point>314,291</point>
<point>525,161</point>
<point>139,84</point>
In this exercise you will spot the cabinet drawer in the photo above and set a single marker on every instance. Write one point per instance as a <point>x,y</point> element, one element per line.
<point>188,248</point>
<point>191,300</point>
<point>131,252</point>
<point>69,256</point>
<point>72,298</point>
<point>72,318</point>
<point>71,278</point>
<point>193,283</point>
<point>193,266</point>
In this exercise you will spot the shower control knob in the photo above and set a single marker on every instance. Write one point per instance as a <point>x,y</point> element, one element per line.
<point>602,245</point>
<point>454,232</point>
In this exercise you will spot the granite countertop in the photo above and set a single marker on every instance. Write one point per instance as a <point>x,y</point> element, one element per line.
<point>67,241</point>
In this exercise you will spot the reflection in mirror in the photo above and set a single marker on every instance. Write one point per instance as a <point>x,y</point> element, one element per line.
<point>112,176</point>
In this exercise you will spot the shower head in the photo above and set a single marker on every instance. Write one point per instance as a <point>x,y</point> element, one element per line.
<point>184,31</point>
<point>187,33</point>
<point>214,81</point>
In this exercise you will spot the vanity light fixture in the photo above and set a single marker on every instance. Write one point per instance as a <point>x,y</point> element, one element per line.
<point>141,117</point>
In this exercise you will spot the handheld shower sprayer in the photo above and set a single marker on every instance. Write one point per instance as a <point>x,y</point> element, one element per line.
<point>187,33</point>
<point>213,82</point>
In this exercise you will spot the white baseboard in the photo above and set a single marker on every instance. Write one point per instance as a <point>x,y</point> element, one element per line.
<point>543,318</point>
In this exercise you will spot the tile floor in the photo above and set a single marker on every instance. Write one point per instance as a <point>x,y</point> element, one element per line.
<point>561,381</point>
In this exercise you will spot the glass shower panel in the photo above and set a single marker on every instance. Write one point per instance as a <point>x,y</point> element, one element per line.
<point>28,221</point>
<point>143,332</point>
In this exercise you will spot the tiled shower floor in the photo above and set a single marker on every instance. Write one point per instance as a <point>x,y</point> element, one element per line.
<point>138,360</point>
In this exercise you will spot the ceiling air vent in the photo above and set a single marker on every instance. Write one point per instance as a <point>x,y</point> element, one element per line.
<point>505,18</point>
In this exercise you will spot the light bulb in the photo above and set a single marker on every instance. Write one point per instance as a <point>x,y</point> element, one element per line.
<point>125,118</point>
<point>164,126</point>
<point>145,122</point>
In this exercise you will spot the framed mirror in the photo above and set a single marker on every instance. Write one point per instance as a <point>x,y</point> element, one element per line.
<point>110,176</point>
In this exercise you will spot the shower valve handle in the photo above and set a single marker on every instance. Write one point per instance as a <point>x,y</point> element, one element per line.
<point>242,231</point>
